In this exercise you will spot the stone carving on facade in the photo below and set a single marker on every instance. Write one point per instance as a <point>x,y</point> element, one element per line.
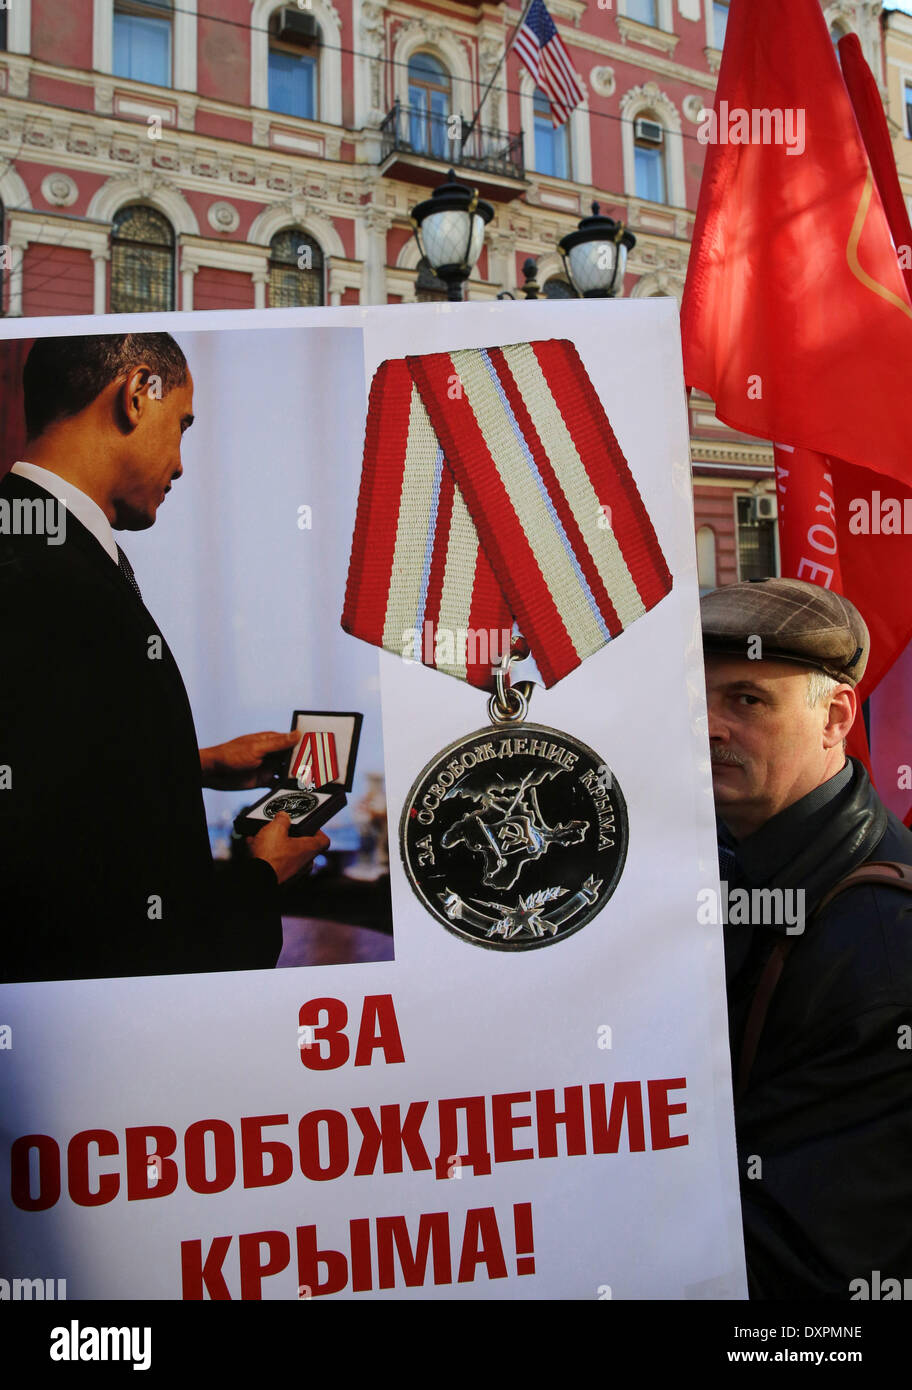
<point>373,44</point>
<point>59,189</point>
<point>81,140</point>
<point>603,80</point>
<point>650,94</point>
<point>223,216</point>
<point>693,106</point>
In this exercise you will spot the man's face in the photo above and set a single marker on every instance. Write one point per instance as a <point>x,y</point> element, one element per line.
<point>152,457</point>
<point>767,745</point>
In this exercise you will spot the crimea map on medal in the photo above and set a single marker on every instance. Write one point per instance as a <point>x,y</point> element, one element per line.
<point>515,836</point>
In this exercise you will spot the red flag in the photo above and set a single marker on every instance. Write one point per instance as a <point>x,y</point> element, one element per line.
<point>796,316</point>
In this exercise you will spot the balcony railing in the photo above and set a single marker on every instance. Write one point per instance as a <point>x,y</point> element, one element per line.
<point>411,130</point>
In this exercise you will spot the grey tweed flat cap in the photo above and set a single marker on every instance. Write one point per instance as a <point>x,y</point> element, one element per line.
<point>794,620</point>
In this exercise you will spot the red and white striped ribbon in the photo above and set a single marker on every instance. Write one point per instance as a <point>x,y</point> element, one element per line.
<point>315,761</point>
<point>493,489</point>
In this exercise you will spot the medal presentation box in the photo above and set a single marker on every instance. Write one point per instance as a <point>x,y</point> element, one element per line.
<point>313,783</point>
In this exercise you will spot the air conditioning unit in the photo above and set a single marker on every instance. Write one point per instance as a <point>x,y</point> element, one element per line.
<point>766,507</point>
<point>296,26</point>
<point>650,131</point>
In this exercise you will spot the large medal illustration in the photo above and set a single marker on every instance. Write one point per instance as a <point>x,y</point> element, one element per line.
<point>515,836</point>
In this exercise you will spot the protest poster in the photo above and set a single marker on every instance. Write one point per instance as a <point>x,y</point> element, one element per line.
<point>523,1091</point>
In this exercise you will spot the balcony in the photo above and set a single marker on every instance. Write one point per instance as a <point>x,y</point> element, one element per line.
<point>418,145</point>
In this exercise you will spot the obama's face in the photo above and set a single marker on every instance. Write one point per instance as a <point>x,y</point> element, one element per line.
<point>151,458</point>
<point>768,747</point>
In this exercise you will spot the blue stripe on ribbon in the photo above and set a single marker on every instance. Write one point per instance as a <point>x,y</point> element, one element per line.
<point>533,468</point>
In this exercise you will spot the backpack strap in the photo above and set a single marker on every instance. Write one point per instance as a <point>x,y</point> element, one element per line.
<point>884,872</point>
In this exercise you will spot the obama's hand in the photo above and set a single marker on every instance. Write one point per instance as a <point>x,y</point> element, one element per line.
<point>288,855</point>
<point>243,762</point>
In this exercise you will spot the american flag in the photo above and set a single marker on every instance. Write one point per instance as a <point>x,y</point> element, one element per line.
<point>538,44</point>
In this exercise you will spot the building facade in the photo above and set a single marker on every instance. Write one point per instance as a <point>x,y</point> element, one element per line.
<point>215,154</point>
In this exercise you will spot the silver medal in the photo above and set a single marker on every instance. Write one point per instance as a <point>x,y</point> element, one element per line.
<point>515,836</point>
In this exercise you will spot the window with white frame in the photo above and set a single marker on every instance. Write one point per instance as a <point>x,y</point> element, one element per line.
<point>649,158</point>
<point>719,22</point>
<point>294,49</point>
<point>552,143</point>
<point>429,102</point>
<point>296,275</point>
<point>142,261</point>
<point>646,11</point>
<point>142,41</point>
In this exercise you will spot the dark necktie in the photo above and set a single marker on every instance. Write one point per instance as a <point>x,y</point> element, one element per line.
<point>126,570</point>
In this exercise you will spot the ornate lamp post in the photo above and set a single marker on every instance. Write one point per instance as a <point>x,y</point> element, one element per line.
<point>449,229</point>
<point>595,255</point>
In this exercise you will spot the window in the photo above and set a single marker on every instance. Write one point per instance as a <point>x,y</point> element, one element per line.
<point>552,155</point>
<point>644,11</point>
<point>2,30</point>
<point>720,21</point>
<point>836,33</point>
<point>429,105</point>
<point>142,261</point>
<point>907,103</point>
<point>295,271</point>
<point>294,45</point>
<point>558,288</point>
<point>756,542</point>
<point>142,41</point>
<point>649,159</point>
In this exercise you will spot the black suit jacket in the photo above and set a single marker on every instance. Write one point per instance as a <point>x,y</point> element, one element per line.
<point>104,851</point>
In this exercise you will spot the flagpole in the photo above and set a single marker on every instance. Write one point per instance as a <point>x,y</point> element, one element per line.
<point>467,130</point>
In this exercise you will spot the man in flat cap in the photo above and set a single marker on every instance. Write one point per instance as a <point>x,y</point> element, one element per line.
<point>819,986</point>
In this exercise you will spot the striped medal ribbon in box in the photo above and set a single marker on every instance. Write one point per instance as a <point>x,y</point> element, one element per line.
<point>316,763</point>
<point>494,492</point>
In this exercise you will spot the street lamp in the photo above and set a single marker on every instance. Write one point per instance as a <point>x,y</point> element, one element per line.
<point>449,229</point>
<point>595,255</point>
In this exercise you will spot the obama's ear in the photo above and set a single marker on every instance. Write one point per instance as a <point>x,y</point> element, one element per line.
<point>135,394</point>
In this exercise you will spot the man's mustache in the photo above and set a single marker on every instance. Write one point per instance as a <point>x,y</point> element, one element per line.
<point>725,755</point>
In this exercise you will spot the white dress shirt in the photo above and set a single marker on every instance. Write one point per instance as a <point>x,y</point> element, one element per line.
<point>75,501</point>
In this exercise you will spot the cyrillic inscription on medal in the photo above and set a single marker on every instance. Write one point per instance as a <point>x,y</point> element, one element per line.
<point>515,836</point>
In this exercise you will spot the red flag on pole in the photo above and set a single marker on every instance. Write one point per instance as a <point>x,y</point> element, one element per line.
<point>796,318</point>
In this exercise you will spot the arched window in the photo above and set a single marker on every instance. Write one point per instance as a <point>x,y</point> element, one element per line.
<point>295,270</point>
<point>294,47</point>
<point>649,158</point>
<point>142,261</point>
<point>552,143</point>
<point>644,11</point>
<point>558,288</point>
<point>719,22</point>
<point>837,31</point>
<point>142,41</point>
<point>429,104</point>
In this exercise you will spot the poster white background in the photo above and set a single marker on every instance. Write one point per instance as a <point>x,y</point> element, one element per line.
<point>174,1050</point>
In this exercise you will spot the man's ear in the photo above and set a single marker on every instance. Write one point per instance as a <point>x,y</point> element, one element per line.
<point>841,713</point>
<point>134,395</point>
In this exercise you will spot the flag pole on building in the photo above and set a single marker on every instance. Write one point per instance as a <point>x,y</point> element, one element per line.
<point>467,129</point>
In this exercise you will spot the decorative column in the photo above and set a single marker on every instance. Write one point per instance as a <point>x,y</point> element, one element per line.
<point>376,223</point>
<point>100,297</point>
<point>260,280</point>
<point>187,274</point>
<point>17,248</point>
